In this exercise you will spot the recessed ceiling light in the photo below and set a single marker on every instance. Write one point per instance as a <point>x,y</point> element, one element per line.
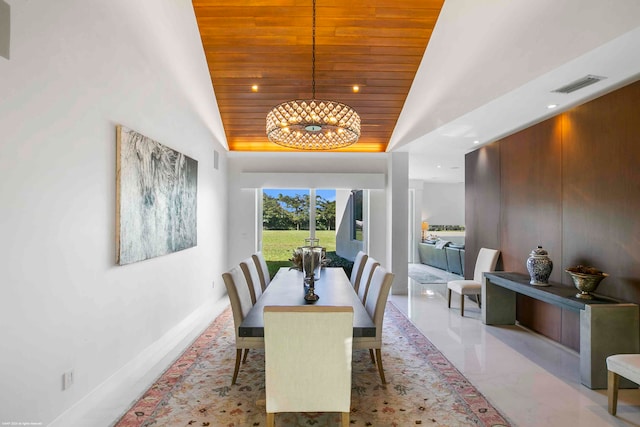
<point>356,88</point>
<point>552,106</point>
<point>254,88</point>
<point>476,142</point>
<point>439,166</point>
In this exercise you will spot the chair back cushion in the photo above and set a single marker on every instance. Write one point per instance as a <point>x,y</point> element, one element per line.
<point>263,270</point>
<point>486,261</point>
<point>250,271</point>
<point>377,296</point>
<point>239,295</point>
<point>356,272</point>
<point>367,272</point>
<point>308,358</point>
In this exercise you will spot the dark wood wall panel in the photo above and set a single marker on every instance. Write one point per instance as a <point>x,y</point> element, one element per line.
<point>546,318</point>
<point>601,166</point>
<point>531,213</point>
<point>570,329</point>
<point>531,195</point>
<point>482,205</point>
<point>571,184</point>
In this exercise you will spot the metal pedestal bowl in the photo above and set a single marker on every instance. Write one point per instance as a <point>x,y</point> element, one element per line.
<point>586,283</point>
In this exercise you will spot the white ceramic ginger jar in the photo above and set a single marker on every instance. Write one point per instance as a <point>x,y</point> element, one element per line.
<point>539,266</point>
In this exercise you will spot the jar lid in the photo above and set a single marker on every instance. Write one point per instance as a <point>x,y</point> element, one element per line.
<point>539,251</point>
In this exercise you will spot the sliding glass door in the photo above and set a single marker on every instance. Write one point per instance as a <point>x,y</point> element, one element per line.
<point>289,217</point>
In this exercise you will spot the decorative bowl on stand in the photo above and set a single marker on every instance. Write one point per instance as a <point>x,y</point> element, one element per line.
<point>586,279</point>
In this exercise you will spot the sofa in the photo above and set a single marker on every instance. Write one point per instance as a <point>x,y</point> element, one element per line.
<point>444,255</point>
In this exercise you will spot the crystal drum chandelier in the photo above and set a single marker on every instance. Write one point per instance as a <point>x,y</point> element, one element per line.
<point>313,124</point>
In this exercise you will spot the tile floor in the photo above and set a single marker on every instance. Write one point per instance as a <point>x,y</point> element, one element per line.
<point>531,380</point>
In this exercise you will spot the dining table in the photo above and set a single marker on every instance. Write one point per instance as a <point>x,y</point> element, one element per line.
<point>287,289</point>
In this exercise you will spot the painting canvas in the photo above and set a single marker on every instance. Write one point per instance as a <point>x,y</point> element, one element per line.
<point>157,191</point>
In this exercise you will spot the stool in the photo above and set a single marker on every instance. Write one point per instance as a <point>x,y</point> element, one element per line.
<point>620,365</point>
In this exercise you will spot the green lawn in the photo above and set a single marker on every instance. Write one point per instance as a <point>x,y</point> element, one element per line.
<point>278,246</point>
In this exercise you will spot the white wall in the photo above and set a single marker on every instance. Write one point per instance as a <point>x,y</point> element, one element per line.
<point>5,29</point>
<point>443,204</point>
<point>398,221</point>
<point>415,222</point>
<point>346,247</point>
<point>78,68</point>
<point>379,210</point>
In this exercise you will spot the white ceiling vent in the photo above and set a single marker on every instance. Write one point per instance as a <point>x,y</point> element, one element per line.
<point>579,84</point>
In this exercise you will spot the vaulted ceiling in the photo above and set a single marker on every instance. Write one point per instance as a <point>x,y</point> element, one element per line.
<point>486,70</point>
<point>260,54</point>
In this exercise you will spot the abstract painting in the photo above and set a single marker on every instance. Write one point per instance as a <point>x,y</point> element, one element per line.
<point>157,189</point>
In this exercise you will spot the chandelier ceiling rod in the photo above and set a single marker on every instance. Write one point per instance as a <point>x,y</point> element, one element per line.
<point>313,124</point>
<point>313,53</point>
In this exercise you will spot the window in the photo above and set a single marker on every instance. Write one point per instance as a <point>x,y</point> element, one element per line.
<point>288,218</point>
<point>325,214</point>
<point>285,209</point>
<point>356,217</point>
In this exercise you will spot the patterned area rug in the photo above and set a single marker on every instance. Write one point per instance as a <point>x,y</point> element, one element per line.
<point>423,387</point>
<point>419,273</point>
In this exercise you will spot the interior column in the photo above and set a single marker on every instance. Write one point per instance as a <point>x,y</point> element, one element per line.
<point>397,186</point>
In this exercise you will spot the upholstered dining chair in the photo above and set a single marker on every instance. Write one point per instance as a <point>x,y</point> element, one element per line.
<point>240,299</point>
<point>252,277</point>
<point>356,272</point>
<point>620,365</point>
<point>367,272</point>
<point>308,352</point>
<point>486,262</point>
<point>263,270</point>
<point>376,302</point>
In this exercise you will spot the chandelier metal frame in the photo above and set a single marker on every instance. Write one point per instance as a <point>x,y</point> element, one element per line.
<point>313,124</point>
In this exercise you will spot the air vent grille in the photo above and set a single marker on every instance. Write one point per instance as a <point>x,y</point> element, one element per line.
<point>579,84</point>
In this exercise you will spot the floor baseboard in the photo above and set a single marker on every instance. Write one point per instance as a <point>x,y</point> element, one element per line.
<point>107,402</point>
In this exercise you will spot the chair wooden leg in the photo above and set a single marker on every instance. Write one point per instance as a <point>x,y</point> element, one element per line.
<point>373,359</point>
<point>380,370</point>
<point>237,368</point>
<point>461,305</point>
<point>345,419</point>
<point>479,300</point>
<point>246,351</point>
<point>271,419</point>
<point>449,299</point>
<point>612,391</point>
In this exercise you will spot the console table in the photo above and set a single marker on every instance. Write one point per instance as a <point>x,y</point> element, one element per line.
<point>607,326</point>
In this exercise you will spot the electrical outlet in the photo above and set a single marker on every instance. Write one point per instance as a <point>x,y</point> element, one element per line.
<point>67,380</point>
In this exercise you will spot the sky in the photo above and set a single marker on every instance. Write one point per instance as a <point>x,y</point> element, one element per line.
<point>329,195</point>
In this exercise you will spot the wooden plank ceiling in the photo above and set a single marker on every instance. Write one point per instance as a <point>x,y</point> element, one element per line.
<point>374,44</point>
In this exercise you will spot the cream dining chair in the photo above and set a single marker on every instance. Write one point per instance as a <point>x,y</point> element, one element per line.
<point>308,352</point>
<point>263,270</point>
<point>620,365</point>
<point>252,277</point>
<point>486,262</point>
<point>240,299</point>
<point>356,272</point>
<point>376,302</point>
<point>367,272</point>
